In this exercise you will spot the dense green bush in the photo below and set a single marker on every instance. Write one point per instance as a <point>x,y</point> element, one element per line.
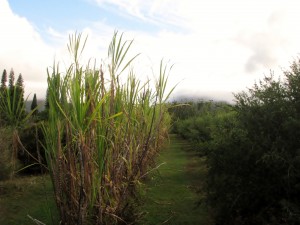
<point>253,153</point>
<point>199,125</point>
<point>269,192</point>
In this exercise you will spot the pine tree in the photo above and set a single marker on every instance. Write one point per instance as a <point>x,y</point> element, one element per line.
<point>3,94</point>
<point>4,80</point>
<point>47,100</point>
<point>34,105</point>
<point>20,87</point>
<point>11,86</point>
<point>3,87</point>
<point>11,80</point>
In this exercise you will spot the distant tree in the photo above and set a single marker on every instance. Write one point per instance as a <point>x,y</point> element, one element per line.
<point>34,105</point>
<point>47,100</point>
<point>3,80</point>
<point>11,81</point>
<point>12,101</point>
<point>3,91</point>
<point>11,87</point>
<point>20,88</point>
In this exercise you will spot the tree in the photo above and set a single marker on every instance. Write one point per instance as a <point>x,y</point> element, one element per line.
<point>20,83</point>
<point>3,93</point>
<point>20,89</point>
<point>12,103</point>
<point>3,80</point>
<point>34,105</point>
<point>11,80</point>
<point>47,100</point>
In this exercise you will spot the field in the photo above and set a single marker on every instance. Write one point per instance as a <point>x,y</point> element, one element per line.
<point>25,197</point>
<point>106,144</point>
<point>168,193</point>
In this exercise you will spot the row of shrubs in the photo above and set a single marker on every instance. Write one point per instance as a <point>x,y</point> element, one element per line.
<point>252,151</point>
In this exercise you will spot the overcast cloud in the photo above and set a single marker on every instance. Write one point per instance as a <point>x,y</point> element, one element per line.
<point>217,47</point>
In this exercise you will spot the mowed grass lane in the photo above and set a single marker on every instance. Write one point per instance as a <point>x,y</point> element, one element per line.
<point>169,194</point>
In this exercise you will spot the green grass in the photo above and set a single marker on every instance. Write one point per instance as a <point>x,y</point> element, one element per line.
<point>170,192</point>
<point>25,196</point>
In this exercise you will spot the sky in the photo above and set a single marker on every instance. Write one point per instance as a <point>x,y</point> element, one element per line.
<point>216,47</point>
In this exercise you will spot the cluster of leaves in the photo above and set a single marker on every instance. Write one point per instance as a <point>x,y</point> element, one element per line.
<point>253,153</point>
<point>18,143</point>
<point>98,136</point>
<point>12,113</point>
<point>196,121</point>
<point>12,106</point>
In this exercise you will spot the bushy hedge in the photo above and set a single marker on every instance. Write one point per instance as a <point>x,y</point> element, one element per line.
<point>253,153</point>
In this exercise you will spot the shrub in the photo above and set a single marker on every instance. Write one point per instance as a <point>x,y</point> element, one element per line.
<point>254,165</point>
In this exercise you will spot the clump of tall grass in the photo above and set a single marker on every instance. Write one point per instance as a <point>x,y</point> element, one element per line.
<point>102,135</point>
<point>12,119</point>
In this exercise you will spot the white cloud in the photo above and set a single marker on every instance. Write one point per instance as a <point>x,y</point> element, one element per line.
<point>23,49</point>
<point>228,44</point>
<point>218,47</point>
<point>157,11</point>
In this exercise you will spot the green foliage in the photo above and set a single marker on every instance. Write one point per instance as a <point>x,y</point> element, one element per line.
<point>101,135</point>
<point>3,80</point>
<point>11,79</point>
<point>20,89</point>
<point>12,110</point>
<point>47,100</point>
<point>12,105</point>
<point>13,118</point>
<point>252,152</point>
<point>34,105</point>
<point>198,126</point>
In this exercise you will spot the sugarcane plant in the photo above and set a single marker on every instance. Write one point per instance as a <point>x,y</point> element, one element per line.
<point>102,134</point>
<point>12,118</point>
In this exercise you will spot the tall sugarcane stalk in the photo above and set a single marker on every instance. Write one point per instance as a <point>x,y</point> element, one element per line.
<point>101,135</point>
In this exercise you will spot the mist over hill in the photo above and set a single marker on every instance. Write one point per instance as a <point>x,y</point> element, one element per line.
<point>203,98</point>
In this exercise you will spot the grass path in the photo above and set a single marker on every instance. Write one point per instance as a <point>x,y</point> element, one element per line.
<point>170,192</point>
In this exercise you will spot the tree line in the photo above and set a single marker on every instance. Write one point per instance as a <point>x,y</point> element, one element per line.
<point>12,97</point>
